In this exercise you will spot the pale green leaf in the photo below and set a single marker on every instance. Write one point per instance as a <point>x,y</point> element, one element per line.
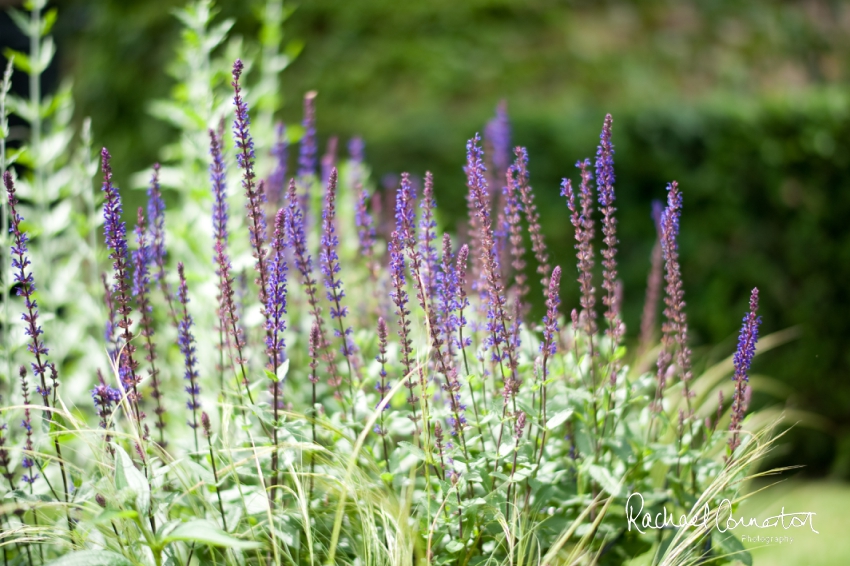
<point>205,532</point>
<point>91,558</point>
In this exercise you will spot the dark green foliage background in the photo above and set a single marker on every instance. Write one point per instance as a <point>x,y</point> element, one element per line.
<point>744,104</point>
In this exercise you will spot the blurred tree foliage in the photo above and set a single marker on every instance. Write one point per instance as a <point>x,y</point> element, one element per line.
<point>740,102</point>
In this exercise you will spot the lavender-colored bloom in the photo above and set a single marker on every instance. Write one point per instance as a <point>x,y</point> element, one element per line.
<point>383,386</point>
<point>497,133</point>
<point>218,180</point>
<point>427,236</point>
<point>297,241</point>
<point>605,187</point>
<point>498,320</point>
<point>329,261</point>
<point>405,213</point>
<point>141,291</point>
<point>463,300</point>
<point>675,327</point>
<point>399,296</point>
<point>276,183</point>
<point>328,161</point>
<point>275,307</point>
<point>538,243</point>
<point>27,462</point>
<point>447,298</point>
<point>365,224</point>
<point>23,277</point>
<point>514,228</point>
<point>742,360</point>
<point>308,148</point>
<point>186,341</point>
<point>356,150</point>
<point>550,320</point>
<point>254,192</point>
<point>582,220</point>
<point>110,326</point>
<point>105,398</point>
<point>314,345</point>
<point>115,233</point>
<point>156,217</point>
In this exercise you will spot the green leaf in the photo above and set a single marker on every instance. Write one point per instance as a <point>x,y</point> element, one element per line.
<point>22,60</point>
<point>107,516</point>
<point>49,19</point>
<point>205,532</point>
<point>731,546</point>
<point>127,476</point>
<point>21,20</point>
<point>91,558</point>
<point>605,480</point>
<point>415,450</point>
<point>558,419</point>
<point>454,546</point>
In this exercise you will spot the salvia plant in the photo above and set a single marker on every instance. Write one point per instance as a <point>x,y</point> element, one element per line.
<point>318,378</point>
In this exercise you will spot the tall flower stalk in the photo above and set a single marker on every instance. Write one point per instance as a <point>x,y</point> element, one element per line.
<point>605,187</point>
<point>275,309</point>
<point>115,233</point>
<point>186,341</point>
<point>218,182</point>
<point>254,194</point>
<point>141,291</point>
<point>334,291</point>
<point>156,218</point>
<point>296,239</point>
<point>675,327</point>
<point>742,360</point>
<point>25,280</point>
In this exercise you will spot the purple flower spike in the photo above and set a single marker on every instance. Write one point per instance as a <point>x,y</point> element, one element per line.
<point>605,187</point>
<point>399,296</point>
<point>427,236</point>
<point>156,219</point>
<point>156,215</point>
<point>186,341</point>
<point>26,289</point>
<point>497,133</point>
<point>675,328</point>
<point>329,261</point>
<point>501,343</point>
<point>218,180</point>
<point>141,291</point>
<point>384,386</point>
<point>328,161</point>
<point>115,233</point>
<point>27,462</point>
<point>276,184</point>
<point>447,297</point>
<point>538,243</point>
<point>254,192</point>
<point>742,359</point>
<point>550,320</point>
<point>105,398</point>
<point>582,220</point>
<point>275,307</point>
<point>308,148</point>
